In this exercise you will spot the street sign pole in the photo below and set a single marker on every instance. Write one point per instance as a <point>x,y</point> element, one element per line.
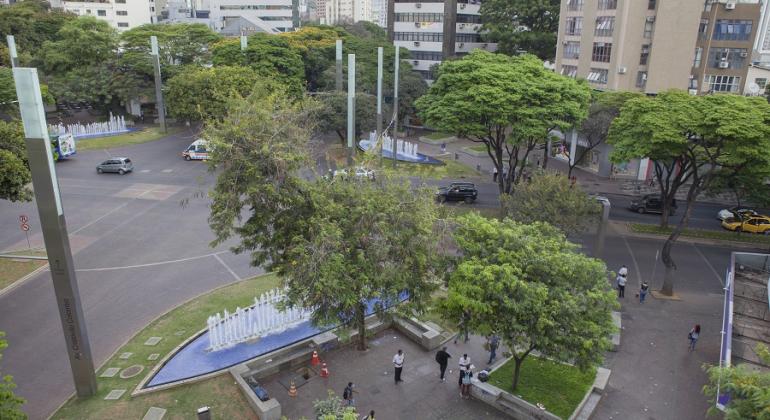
<point>54,227</point>
<point>158,83</point>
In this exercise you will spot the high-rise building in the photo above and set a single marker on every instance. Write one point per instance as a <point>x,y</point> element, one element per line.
<point>276,14</point>
<point>347,11</point>
<point>120,14</point>
<point>654,45</point>
<point>435,30</point>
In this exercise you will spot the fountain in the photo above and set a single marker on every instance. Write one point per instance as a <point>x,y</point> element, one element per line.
<point>114,125</point>
<point>405,151</point>
<point>260,320</point>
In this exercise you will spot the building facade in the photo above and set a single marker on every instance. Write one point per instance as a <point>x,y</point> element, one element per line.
<point>276,14</point>
<point>654,45</point>
<point>435,30</point>
<point>347,11</point>
<point>120,14</point>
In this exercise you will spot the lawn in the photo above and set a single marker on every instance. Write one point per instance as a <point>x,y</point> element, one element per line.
<point>720,235</point>
<point>450,169</point>
<point>219,393</point>
<point>438,135</point>
<point>12,270</point>
<point>479,148</point>
<point>134,137</point>
<point>557,386</point>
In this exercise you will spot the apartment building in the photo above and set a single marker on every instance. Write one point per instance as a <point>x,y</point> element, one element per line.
<point>654,45</point>
<point>120,14</point>
<point>276,14</point>
<point>434,30</point>
<point>347,11</point>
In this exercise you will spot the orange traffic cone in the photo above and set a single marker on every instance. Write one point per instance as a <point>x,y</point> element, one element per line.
<point>324,371</point>
<point>315,360</point>
<point>292,390</point>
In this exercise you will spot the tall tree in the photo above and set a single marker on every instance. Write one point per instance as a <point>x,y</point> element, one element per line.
<point>522,26</point>
<point>32,22</point>
<point>14,168</point>
<point>533,288</point>
<point>201,93</point>
<point>690,139</point>
<point>333,115</point>
<point>509,104</point>
<point>316,45</point>
<point>552,198</point>
<point>10,404</point>
<point>748,186</point>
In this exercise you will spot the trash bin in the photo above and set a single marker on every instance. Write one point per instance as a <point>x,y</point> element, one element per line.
<point>204,413</point>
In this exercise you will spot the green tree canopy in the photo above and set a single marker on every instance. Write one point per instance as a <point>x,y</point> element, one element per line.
<point>10,404</point>
<point>14,168</point>
<point>522,26</point>
<point>82,42</point>
<point>748,388</point>
<point>316,45</point>
<point>201,93</point>
<point>533,288</point>
<point>690,139</point>
<point>32,23</point>
<point>551,197</point>
<point>333,114</point>
<point>510,104</point>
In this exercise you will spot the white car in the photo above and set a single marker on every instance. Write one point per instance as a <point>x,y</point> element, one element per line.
<point>736,211</point>
<point>359,172</point>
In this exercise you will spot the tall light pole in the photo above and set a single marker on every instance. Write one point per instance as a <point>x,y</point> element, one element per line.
<point>351,106</point>
<point>380,138</point>
<point>158,85</point>
<point>338,59</point>
<point>54,227</point>
<point>602,231</point>
<point>12,51</point>
<point>395,107</point>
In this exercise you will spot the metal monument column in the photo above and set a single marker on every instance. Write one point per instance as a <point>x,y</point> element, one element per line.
<point>54,228</point>
<point>351,106</point>
<point>158,87</point>
<point>338,58</point>
<point>12,51</point>
<point>244,42</point>
<point>380,138</point>
<point>573,146</point>
<point>395,108</point>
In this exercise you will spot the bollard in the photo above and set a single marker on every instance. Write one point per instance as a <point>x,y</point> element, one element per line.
<point>204,413</point>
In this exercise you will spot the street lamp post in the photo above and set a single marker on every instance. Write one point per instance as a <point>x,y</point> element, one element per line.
<point>54,228</point>
<point>158,86</point>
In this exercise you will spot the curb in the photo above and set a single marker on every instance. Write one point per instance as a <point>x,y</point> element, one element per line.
<point>19,282</point>
<point>623,229</point>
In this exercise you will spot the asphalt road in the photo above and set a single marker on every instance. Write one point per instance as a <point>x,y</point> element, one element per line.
<point>138,252</point>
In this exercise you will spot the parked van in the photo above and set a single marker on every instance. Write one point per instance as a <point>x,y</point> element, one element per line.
<point>198,150</point>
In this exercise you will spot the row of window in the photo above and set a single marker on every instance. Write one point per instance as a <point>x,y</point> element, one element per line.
<point>602,51</point>
<point>727,30</point>
<point>255,7</point>
<point>577,5</point>
<point>426,55</point>
<point>468,38</point>
<point>419,36</point>
<point>463,18</point>
<point>419,17</point>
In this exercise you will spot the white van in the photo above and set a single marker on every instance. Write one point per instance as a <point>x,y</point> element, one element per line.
<point>198,150</point>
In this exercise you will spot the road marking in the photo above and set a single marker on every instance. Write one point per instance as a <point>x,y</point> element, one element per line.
<point>100,218</point>
<point>144,171</point>
<point>237,277</point>
<point>633,259</point>
<point>11,287</point>
<point>125,267</point>
<point>708,264</point>
<point>167,171</point>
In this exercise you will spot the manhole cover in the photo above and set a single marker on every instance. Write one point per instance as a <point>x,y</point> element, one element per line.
<point>131,371</point>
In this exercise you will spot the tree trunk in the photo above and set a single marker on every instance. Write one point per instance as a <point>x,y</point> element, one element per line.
<point>516,371</point>
<point>361,321</point>
<point>668,278</point>
<point>665,214</point>
<point>569,172</point>
<point>341,136</point>
<point>547,151</point>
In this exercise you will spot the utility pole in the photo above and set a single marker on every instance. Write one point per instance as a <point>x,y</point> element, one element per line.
<point>54,228</point>
<point>395,108</point>
<point>380,137</point>
<point>351,107</point>
<point>602,231</point>
<point>12,51</point>
<point>158,83</point>
<point>338,57</point>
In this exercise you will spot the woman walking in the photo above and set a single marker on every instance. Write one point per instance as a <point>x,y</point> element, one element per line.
<point>465,392</point>
<point>693,336</point>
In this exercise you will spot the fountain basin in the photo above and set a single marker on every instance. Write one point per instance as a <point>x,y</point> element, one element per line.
<point>108,134</point>
<point>367,145</point>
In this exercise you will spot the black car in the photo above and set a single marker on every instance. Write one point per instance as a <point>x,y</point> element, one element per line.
<point>651,203</point>
<point>458,191</point>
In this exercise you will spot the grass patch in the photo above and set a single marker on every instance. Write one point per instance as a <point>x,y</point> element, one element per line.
<point>12,270</point>
<point>478,148</point>
<point>718,235</point>
<point>438,135</point>
<point>134,137</point>
<point>450,169</point>
<point>219,393</point>
<point>557,386</point>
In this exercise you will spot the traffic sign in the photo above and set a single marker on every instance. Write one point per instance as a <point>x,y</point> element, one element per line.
<point>23,218</point>
<point>24,227</point>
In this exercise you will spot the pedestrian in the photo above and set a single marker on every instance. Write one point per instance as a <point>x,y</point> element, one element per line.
<point>347,394</point>
<point>465,364</point>
<point>494,174</point>
<point>370,416</point>
<point>443,148</point>
<point>466,376</point>
<point>693,336</point>
<point>442,357</point>
<point>494,342</point>
<point>398,363</point>
<point>621,280</point>
<point>643,291</point>
<point>623,271</point>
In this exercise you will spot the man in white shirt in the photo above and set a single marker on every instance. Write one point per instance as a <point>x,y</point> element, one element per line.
<point>623,271</point>
<point>465,364</point>
<point>398,363</point>
<point>622,277</point>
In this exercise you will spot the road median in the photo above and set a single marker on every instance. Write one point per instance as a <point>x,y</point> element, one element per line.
<point>701,236</point>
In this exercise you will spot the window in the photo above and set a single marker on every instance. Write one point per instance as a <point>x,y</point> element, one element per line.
<point>608,4</point>
<point>651,4</point>
<point>723,83</point>
<point>468,38</point>
<point>121,13</point>
<point>734,57</point>
<point>693,83</point>
<point>419,17</point>
<point>761,82</point>
<point>419,36</point>
<point>572,49</point>
<point>698,54</point>
<point>575,5</point>
<point>574,26</point>
<point>645,55</point>
<point>601,52</point>
<point>732,30</point>
<point>101,13</point>
<point>648,26</point>
<point>598,76</point>
<point>122,25</point>
<point>88,11</point>
<point>641,79</point>
<point>120,1</point>
<point>604,26</point>
<point>570,71</point>
<point>468,18</point>
<point>426,55</point>
<point>703,29</point>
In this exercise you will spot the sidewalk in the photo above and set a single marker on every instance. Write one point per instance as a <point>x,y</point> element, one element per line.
<point>421,395</point>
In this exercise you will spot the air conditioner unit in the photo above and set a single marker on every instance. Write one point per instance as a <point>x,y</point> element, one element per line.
<point>622,70</point>
<point>417,24</point>
<point>462,25</point>
<point>744,54</point>
<point>462,44</point>
<point>416,43</point>
<point>415,62</point>
<point>650,18</point>
<point>729,6</point>
<point>692,91</point>
<point>476,28</point>
<point>644,76</point>
<point>418,5</point>
<point>724,65</point>
<point>462,5</point>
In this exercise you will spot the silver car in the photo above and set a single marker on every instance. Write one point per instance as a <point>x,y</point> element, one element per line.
<point>119,165</point>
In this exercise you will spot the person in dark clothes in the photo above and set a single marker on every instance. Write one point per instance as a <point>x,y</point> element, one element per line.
<point>442,357</point>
